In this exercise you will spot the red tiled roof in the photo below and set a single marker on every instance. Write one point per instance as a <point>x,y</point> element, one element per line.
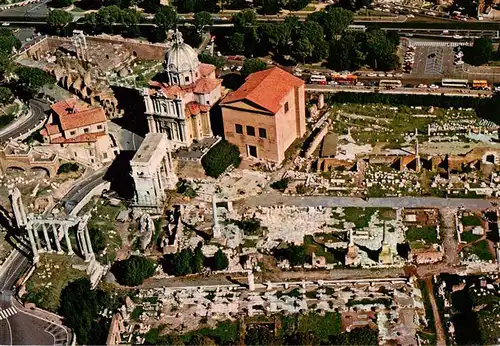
<point>85,138</point>
<point>206,85</point>
<point>265,88</point>
<point>74,113</point>
<point>50,129</point>
<point>194,108</point>
<point>206,69</point>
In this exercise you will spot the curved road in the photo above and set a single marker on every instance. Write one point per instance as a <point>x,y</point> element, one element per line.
<point>38,108</point>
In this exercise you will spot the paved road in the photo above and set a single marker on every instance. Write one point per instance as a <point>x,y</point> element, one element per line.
<point>38,114</point>
<point>275,199</point>
<point>408,91</point>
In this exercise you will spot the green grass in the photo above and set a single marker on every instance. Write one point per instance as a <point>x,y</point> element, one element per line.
<point>226,332</point>
<point>312,246</point>
<point>359,216</point>
<point>138,310</point>
<point>47,297</point>
<point>249,243</point>
<point>471,220</point>
<point>428,234</point>
<point>481,249</point>
<point>321,326</point>
<point>468,237</point>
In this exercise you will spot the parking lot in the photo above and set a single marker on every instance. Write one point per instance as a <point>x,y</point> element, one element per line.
<point>433,61</point>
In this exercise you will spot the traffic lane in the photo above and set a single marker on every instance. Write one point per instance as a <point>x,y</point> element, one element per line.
<point>35,330</point>
<point>38,108</point>
<point>34,10</point>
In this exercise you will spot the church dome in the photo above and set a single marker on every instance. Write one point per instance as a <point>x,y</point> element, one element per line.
<point>181,57</point>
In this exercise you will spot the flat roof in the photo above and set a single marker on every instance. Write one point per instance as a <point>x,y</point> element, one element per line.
<point>148,147</point>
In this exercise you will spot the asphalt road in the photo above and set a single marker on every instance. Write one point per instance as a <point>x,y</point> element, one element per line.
<point>38,108</point>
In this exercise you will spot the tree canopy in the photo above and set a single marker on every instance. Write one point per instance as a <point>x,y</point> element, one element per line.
<point>165,17</point>
<point>30,80</point>
<point>58,19</point>
<point>203,21</point>
<point>134,270</point>
<point>185,262</point>
<point>6,95</point>
<point>480,52</point>
<point>221,261</point>
<point>252,65</point>
<point>220,157</point>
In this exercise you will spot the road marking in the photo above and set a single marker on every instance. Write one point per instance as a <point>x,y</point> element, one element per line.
<point>6,313</point>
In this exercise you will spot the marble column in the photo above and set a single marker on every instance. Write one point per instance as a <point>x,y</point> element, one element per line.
<point>46,236</point>
<point>83,244</point>
<point>37,237</point>
<point>216,229</point>
<point>68,241</point>
<point>89,243</point>
<point>33,245</point>
<point>56,237</point>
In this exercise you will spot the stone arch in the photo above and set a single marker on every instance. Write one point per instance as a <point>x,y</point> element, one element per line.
<point>14,168</point>
<point>40,168</point>
<point>490,158</point>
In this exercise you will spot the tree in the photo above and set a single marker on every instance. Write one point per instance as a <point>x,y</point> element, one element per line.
<point>134,270</point>
<point>197,260</point>
<point>97,239</point>
<point>179,264</point>
<point>244,19</point>
<point>8,42</point>
<point>348,52</point>
<point>59,19</point>
<point>302,48</point>
<point>236,43</point>
<point>252,65</point>
<point>220,157</point>
<point>166,17</point>
<point>480,52</point>
<point>297,5</point>
<point>80,306</point>
<point>313,32</point>
<point>30,80</point>
<point>210,59</point>
<point>220,260</point>
<point>6,95</point>
<point>270,6</point>
<point>203,21</point>
<point>61,3</point>
<point>295,254</point>
<point>277,37</point>
<point>380,51</point>
<point>150,6</point>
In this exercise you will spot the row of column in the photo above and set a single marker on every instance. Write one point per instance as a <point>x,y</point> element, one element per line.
<point>36,243</point>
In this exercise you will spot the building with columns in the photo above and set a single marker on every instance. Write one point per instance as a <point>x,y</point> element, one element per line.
<point>179,106</point>
<point>153,172</point>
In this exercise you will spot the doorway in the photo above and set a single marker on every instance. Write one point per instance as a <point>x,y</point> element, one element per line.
<point>252,150</point>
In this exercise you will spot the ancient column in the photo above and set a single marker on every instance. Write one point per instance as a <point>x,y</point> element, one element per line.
<point>37,237</point>
<point>87,237</point>
<point>33,245</point>
<point>83,244</point>
<point>216,229</point>
<point>56,237</point>
<point>18,208</point>
<point>251,281</point>
<point>68,242</point>
<point>46,236</point>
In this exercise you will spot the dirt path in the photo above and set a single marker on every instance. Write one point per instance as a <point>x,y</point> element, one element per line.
<point>440,334</point>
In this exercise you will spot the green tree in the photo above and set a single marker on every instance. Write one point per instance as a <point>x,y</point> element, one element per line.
<point>244,19</point>
<point>313,32</point>
<point>252,65</point>
<point>302,49</point>
<point>210,59</point>
<point>30,80</point>
<point>134,270</point>
<point>270,6</point>
<point>80,306</point>
<point>334,20</point>
<point>381,51</point>
<point>97,239</point>
<point>220,157</point>
<point>197,260</point>
<point>295,254</point>
<point>150,6</point>
<point>277,36</point>
<point>179,264</point>
<point>236,43</point>
<point>8,42</point>
<point>220,260</point>
<point>166,17</point>
<point>296,5</point>
<point>59,19</point>
<point>6,95</point>
<point>480,52</point>
<point>203,21</point>
<point>60,3</point>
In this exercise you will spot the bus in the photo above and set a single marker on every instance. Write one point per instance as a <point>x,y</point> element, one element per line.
<point>318,79</point>
<point>480,85</point>
<point>360,28</point>
<point>390,83</point>
<point>455,83</point>
<point>349,79</point>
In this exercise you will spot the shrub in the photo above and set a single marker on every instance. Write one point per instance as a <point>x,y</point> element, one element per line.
<point>220,260</point>
<point>220,157</point>
<point>68,167</point>
<point>134,270</point>
<point>281,185</point>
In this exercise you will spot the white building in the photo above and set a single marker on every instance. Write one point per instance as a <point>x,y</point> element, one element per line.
<point>180,105</point>
<point>153,171</point>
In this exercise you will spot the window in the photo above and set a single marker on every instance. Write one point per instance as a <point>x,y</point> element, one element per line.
<point>239,128</point>
<point>86,130</point>
<point>99,127</point>
<point>72,133</point>
<point>104,155</point>
<point>262,133</point>
<point>250,131</point>
<point>252,150</point>
<point>186,79</point>
<point>286,107</point>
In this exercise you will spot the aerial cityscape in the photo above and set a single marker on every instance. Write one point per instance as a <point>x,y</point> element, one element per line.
<point>249,172</point>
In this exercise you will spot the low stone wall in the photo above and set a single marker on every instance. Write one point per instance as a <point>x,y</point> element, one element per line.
<point>94,192</point>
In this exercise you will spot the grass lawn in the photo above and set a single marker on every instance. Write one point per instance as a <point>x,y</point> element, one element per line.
<point>313,247</point>
<point>481,249</point>
<point>471,220</point>
<point>309,8</point>
<point>53,273</point>
<point>428,234</point>
<point>321,326</point>
<point>468,237</point>
<point>359,216</point>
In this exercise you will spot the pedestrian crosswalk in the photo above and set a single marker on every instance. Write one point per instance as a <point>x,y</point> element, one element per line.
<point>6,313</point>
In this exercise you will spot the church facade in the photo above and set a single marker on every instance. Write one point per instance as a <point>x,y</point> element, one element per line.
<point>180,105</point>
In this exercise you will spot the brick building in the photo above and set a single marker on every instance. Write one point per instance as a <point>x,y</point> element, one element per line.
<point>78,131</point>
<point>266,114</point>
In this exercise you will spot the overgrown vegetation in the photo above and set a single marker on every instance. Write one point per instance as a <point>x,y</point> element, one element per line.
<point>134,270</point>
<point>68,167</point>
<point>471,220</point>
<point>281,185</point>
<point>220,157</point>
<point>428,234</point>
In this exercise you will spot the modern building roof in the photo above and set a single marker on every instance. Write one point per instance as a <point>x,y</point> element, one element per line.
<point>73,113</point>
<point>265,88</point>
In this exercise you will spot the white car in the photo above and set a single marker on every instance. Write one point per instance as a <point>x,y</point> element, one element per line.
<point>381,74</point>
<point>434,86</point>
<point>239,68</point>
<point>297,74</point>
<point>5,24</point>
<point>422,85</point>
<point>372,75</point>
<point>389,75</point>
<point>410,16</point>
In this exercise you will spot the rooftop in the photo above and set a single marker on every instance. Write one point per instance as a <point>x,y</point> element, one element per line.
<point>74,113</point>
<point>265,88</point>
<point>148,147</point>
